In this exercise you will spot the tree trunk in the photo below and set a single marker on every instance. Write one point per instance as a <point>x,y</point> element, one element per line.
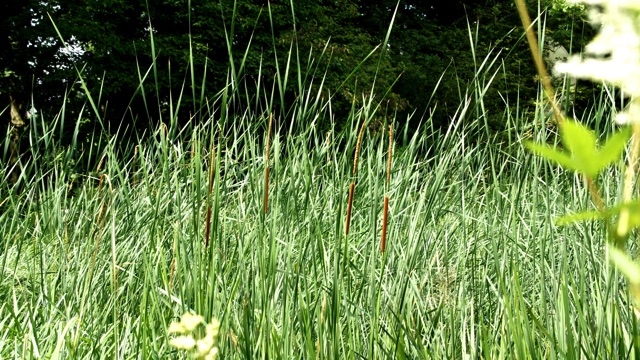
<point>15,129</point>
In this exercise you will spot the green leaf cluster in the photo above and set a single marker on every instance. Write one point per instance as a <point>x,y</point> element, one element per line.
<point>580,151</point>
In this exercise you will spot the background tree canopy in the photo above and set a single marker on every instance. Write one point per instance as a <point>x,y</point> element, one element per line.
<point>112,44</point>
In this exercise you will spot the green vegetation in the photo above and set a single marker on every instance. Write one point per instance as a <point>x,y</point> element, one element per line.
<point>611,58</point>
<point>120,44</point>
<point>98,264</point>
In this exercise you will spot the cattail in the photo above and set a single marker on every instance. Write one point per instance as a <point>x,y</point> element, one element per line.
<point>355,157</point>
<point>353,183</point>
<point>384,223</point>
<point>389,155</point>
<point>266,170</point>
<point>351,191</point>
<point>386,197</point>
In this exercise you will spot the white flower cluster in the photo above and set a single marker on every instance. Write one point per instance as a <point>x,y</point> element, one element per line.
<point>204,348</point>
<point>614,54</point>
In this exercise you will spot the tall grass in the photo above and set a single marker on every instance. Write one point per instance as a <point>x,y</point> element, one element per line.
<point>98,265</point>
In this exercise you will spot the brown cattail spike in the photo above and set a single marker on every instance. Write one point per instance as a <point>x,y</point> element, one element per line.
<point>384,224</point>
<point>385,213</point>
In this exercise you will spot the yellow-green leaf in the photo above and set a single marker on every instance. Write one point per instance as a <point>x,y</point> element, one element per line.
<point>580,142</point>
<point>550,153</point>
<point>627,267</point>
<point>613,147</point>
<point>581,153</point>
<point>576,217</point>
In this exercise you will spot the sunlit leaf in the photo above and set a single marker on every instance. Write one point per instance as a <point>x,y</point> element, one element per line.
<point>552,154</point>
<point>581,153</point>
<point>629,268</point>
<point>614,147</point>
<point>580,142</point>
<point>577,217</point>
<point>632,208</point>
<point>633,214</point>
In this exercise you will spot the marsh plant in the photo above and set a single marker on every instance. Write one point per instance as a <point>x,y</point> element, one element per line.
<point>613,57</point>
<point>320,242</point>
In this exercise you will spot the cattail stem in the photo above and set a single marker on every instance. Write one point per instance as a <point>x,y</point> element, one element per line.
<point>623,226</point>
<point>352,188</point>
<point>266,170</point>
<point>357,153</point>
<point>349,207</point>
<point>135,158</point>
<point>389,154</point>
<point>266,190</point>
<point>207,232</point>
<point>537,59</point>
<point>596,197</point>
<point>172,271</point>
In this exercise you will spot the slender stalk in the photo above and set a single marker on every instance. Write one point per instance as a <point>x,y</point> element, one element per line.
<point>135,157</point>
<point>594,191</point>
<point>172,271</point>
<point>537,58</point>
<point>349,207</point>
<point>627,192</point>
<point>207,233</point>
<point>595,194</point>
<point>383,243</point>
<point>15,131</point>
<point>389,156</point>
<point>172,268</point>
<point>266,170</point>
<point>101,218</point>
<point>352,187</point>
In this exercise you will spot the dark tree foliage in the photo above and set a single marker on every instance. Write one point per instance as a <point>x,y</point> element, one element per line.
<point>111,44</point>
<point>23,62</point>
